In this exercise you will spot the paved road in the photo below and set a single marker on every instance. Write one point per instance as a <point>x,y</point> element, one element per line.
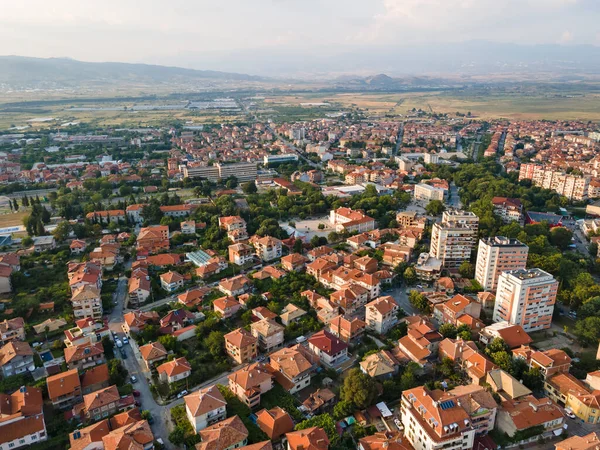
<point>401,297</point>
<point>454,201</point>
<point>298,151</point>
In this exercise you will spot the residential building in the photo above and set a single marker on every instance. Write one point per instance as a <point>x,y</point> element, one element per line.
<point>95,378</point>
<point>290,314</point>
<point>269,334</point>
<point>505,385</point>
<point>153,353</point>
<point>294,262</point>
<point>205,407</point>
<point>496,255</point>
<point>509,209</point>
<point>292,368</point>
<point>136,320</point>
<point>84,355</point>
<point>171,281</point>
<point>248,383</point>
<point>351,221</point>
<point>22,418</point>
<point>234,286</point>
<point>86,302</point>
<point>425,192</point>
<point>16,357</point>
<point>241,346</point>
<point>225,435</point>
<point>235,227</point>
<point>226,306</point>
<point>380,365</point>
<point>526,297</point>
<point>330,350</point>
<point>12,329</point>
<point>101,404</point>
<point>135,213</point>
<point>452,243</point>
<point>174,370</point>
<point>389,440</point>
<point>137,435</point>
<point>241,254</point>
<point>177,210</point>
<point>313,438</point>
<point>381,315</point>
<point>105,217</point>
<point>274,422</point>
<point>64,389</point>
<point>347,329</point>
<point>140,287</point>
<point>513,335</point>
<point>450,311</point>
<point>43,243</point>
<point>153,239</point>
<point>319,401</point>
<point>428,268</point>
<point>267,248</point>
<point>568,391</point>
<point>590,441</point>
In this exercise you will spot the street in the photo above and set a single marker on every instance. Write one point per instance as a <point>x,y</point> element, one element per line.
<point>401,297</point>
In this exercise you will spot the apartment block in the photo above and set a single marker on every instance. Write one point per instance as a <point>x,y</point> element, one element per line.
<point>496,255</point>
<point>526,297</point>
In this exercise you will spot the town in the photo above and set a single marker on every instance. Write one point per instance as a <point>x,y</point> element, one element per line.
<point>420,283</point>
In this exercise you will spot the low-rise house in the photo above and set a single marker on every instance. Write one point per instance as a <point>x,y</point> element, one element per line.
<point>84,355</point>
<point>139,287</point>
<point>350,298</point>
<point>95,378</point>
<point>248,383</point>
<point>294,262</point>
<point>228,434</point>
<point>513,335</point>
<point>188,227</point>
<point>381,315</point>
<point>163,260</point>
<point>274,422</point>
<point>319,401</point>
<point>505,385</point>
<point>269,334</point>
<point>43,243</point>
<point>540,416</point>
<point>152,353</point>
<point>22,418</point>
<point>291,313</point>
<point>313,438</point>
<point>388,440</point>
<point>380,365</point>
<point>77,247</point>
<point>330,350</point>
<point>193,297</point>
<point>226,306</point>
<point>171,281</point>
<point>588,442</point>
<point>106,217</point>
<point>568,391</point>
<point>136,435</point>
<point>176,210</point>
<point>153,239</point>
<point>241,346</point>
<point>450,311</point>
<point>176,320</point>
<point>292,368</point>
<point>12,329</point>
<point>175,370</point>
<point>16,357</point>
<point>136,321</point>
<point>347,330</point>
<point>205,407</point>
<point>101,404</point>
<point>241,254</point>
<point>260,312</point>
<point>64,389</point>
<point>421,343</point>
<point>234,286</point>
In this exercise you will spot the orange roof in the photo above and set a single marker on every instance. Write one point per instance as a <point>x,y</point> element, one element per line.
<point>175,367</point>
<point>129,437</point>
<point>313,438</point>
<point>275,422</point>
<point>204,400</point>
<point>125,418</point>
<point>240,338</point>
<point>222,435</point>
<point>529,412</point>
<point>64,383</point>
<point>171,277</point>
<point>152,351</point>
<point>101,397</point>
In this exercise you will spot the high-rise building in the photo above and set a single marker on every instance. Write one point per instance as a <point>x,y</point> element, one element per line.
<point>496,255</point>
<point>460,217</point>
<point>453,239</point>
<point>526,297</point>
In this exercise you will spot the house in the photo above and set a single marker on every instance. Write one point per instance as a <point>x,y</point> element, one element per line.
<point>294,262</point>
<point>345,329</point>
<point>228,434</point>
<point>134,213</point>
<point>176,210</point>
<point>226,306</point>
<point>381,315</point>
<point>274,422</point>
<point>453,309</point>
<point>530,413</point>
<point>421,343</point>
<point>291,313</point>
<point>267,248</point>
<point>205,407</point>
<point>513,335</point>
<point>153,239</point>
<point>163,259</point>
<point>80,274</point>
<point>248,383</point>
<point>269,334</point>
<point>568,391</point>
<point>95,378</point>
<point>588,442</point>
<point>22,418</point>
<point>350,298</point>
<point>188,227</point>
<point>135,321</point>
<point>388,440</point>
<point>193,297</point>
<point>319,401</point>
<point>140,287</point>
<point>235,227</point>
<point>171,281</point>
<point>136,435</point>
<point>549,362</point>
<point>313,438</point>
<point>106,217</point>
<point>64,389</point>
<point>351,221</point>
<point>175,370</point>
<point>101,404</point>
<point>43,243</point>
<point>152,353</point>
<point>330,350</point>
<point>12,329</point>
<point>175,320</point>
<point>292,368</point>
<point>241,345</point>
<point>380,365</point>
<point>260,312</point>
<point>240,254</point>
<point>234,286</point>
<point>505,385</point>
<point>16,357</point>
<point>86,302</point>
<point>77,247</point>
<point>477,367</point>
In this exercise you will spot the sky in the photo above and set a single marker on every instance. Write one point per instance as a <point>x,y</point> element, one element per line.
<point>193,33</point>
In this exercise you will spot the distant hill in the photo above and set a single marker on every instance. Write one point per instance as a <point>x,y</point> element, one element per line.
<point>19,72</point>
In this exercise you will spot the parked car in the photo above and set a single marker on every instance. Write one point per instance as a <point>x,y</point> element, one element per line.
<point>119,343</point>
<point>138,403</point>
<point>133,379</point>
<point>570,414</point>
<point>125,340</point>
<point>136,393</point>
<point>123,353</point>
<point>182,393</point>
<point>300,339</point>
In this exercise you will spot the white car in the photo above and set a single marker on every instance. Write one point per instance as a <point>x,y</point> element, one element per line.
<point>398,424</point>
<point>182,393</point>
<point>570,414</point>
<point>125,340</point>
<point>119,343</point>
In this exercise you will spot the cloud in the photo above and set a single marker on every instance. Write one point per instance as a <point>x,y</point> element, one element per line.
<point>566,37</point>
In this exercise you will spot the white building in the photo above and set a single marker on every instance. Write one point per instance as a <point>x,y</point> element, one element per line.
<point>496,255</point>
<point>205,407</point>
<point>425,192</point>
<point>381,315</point>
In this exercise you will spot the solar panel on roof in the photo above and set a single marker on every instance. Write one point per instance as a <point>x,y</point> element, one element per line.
<point>447,404</point>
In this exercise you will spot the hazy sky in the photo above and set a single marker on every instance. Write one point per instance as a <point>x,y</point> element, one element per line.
<point>159,31</point>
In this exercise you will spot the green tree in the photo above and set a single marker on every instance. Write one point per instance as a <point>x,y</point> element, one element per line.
<point>249,188</point>
<point>588,331</point>
<point>448,330</point>
<point>214,342</point>
<point>359,389</point>
<point>419,301</point>
<point>466,270</point>
<point>62,231</point>
<point>561,237</point>
<point>298,246</point>
<point>169,341</point>
<point>435,208</point>
<point>410,275</point>
<point>324,421</point>
<point>177,436</point>
<point>343,409</point>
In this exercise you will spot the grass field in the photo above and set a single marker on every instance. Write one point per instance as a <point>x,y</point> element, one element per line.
<point>12,219</point>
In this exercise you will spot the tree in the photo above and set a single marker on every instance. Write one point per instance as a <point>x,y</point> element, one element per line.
<point>435,208</point>
<point>359,388</point>
<point>343,409</point>
<point>324,421</point>
<point>561,237</point>
<point>409,275</point>
<point>466,270</point>
<point>62,231</point>
<point>497,345</point>
<point>533,379</point>
<point>446,367</point>
<point>419,301</point>
<point>298,246</point>
<point>589,308</point>
<point>214,342</point>
<point>503,360</point>
<point>177,436</point>
<point>169,342</point>
<point>117,374</point>
<point>249,188</point>
<point>588,331</point>
<point>15,204</point>
<point>448,330</point>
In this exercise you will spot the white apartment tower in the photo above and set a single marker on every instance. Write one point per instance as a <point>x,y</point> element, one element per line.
<point>453,239</point>
<point>526,297</point>
<point>496,255</point>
